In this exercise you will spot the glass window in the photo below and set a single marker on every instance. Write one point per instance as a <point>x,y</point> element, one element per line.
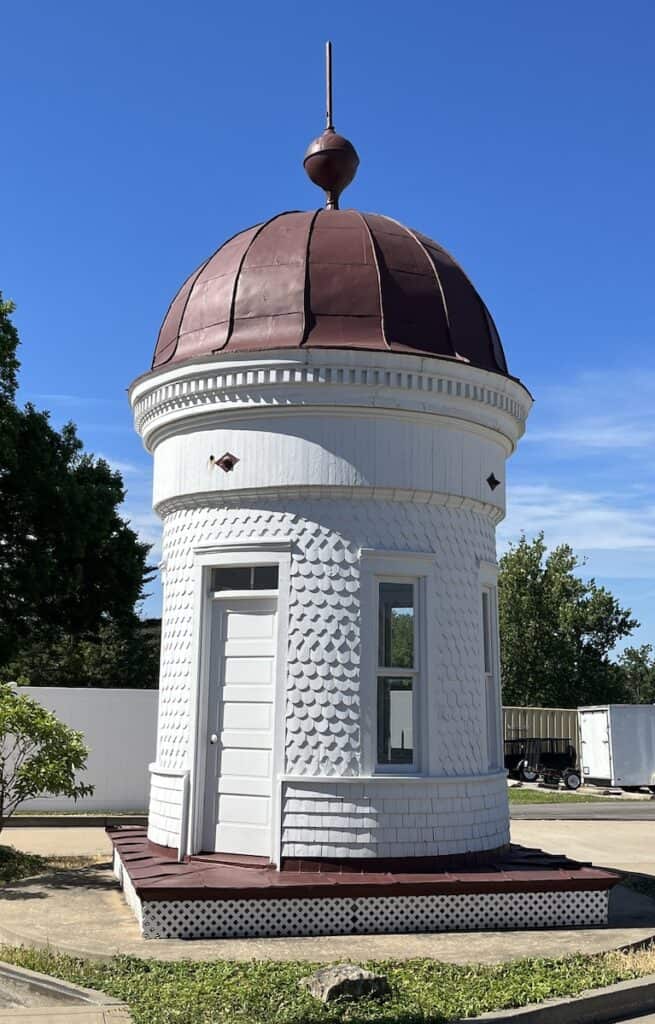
<point>395,720</point>
<point>486,630</point>
<point>396,629</point>
<point>397,672</point>
<point>265,577</point>
<point>246,577</point>
<point>492,688</point>
<point>232,577</point>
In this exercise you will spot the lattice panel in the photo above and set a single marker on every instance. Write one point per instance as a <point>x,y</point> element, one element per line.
<point>242,919</point>
<point>480,912</point>
<point>200,919</point>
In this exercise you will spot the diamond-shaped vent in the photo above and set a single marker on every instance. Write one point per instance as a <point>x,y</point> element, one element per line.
<point>227,462</point>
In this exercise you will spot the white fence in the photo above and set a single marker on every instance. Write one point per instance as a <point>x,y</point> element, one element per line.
<point>120,728</point>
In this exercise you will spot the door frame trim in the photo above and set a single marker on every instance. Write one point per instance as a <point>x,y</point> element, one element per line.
<point>262,551</point>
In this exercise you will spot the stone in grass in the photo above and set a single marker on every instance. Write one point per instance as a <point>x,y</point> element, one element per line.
<point>345,980</point>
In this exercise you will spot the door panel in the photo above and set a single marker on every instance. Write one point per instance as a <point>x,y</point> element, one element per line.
<point>244,673</point>
<point>243,810</point>
<point>248,671</point>
<point>247,715</point>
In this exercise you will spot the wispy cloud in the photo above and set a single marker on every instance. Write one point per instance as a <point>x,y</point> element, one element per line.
<point>74,400</point>
<point>125,468</point>
<point>589,520</point>
<point>596,435</point>
<point>595,413</point>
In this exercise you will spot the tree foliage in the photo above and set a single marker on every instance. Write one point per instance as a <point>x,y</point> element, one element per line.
<point>71,568</point>
<point>39,755</point>
<point>116,655</point>
<point>637,667</point>
<point>8,353</point>
<point>556,629</point>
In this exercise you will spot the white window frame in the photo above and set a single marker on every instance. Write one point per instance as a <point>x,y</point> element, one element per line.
<point>491,670</point>
<point>391,672</point>
<point>377,567</point>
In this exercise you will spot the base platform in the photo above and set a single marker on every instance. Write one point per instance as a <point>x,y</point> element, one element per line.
<point>222,896</point>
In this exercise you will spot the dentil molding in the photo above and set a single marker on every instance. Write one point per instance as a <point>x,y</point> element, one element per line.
<point>327,380</point>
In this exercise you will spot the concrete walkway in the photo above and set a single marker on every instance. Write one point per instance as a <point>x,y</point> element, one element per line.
<point>58,842</point>
<point>32,998</point>
<point>64,1015</point>
<point>626,846</point>
<point>83,913</point>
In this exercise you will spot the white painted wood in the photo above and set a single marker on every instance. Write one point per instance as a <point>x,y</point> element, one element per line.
<point>245,666</point>
<point>262,550</point>
<point>331,380</point>
<point>343,457</point>
<point>347,448</point>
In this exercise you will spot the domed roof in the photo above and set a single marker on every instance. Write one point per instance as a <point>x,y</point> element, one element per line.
<point>330,279</point>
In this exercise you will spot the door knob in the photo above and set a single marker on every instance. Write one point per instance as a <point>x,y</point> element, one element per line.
<point>213,738</point>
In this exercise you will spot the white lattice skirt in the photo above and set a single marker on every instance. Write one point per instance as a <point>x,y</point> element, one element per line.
<point>368,915</point>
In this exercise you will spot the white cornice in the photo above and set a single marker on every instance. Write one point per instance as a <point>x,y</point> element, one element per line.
<point>240,498</point>
<point>327,382</point>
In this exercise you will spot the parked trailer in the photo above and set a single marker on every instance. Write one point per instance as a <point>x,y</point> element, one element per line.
<point>617,744</point>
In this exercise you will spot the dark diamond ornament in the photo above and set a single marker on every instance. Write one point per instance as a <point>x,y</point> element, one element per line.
<point>493,482</point>
<point>227,462</point>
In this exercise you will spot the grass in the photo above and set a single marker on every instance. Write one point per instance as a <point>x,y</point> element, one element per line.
<point>550,796</point>
<point>14,864</point>
<point>422,991</point>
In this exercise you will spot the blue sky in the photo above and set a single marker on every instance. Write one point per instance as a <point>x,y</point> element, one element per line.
<point>520,135</point>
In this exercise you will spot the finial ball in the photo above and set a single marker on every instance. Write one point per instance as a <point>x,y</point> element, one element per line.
<point>331,163</point>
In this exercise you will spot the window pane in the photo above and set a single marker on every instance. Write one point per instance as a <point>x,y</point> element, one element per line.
<point>265,577</point>
<point>486,630</point>
<point>246,577</point>
<point>231,577</point>
<point>395,721</point>
<point>396,628</point>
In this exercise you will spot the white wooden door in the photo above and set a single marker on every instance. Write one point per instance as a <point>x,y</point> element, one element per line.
<point>245,666</point>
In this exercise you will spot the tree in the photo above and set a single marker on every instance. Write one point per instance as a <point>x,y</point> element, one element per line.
<point>113,656</point>
<point>637,665</point>
<point>8,353</point>
<point>71,568</point>
<point>39,755</point>
<point>556,629</point>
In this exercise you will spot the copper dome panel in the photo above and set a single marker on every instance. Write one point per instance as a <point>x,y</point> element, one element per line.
<point>330,279</point>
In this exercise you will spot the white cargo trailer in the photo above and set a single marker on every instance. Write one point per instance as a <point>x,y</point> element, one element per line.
<point>618,744</point>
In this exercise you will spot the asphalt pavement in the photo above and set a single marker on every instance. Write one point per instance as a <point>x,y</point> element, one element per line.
<point>603,810</point>
<point>648,1019</point>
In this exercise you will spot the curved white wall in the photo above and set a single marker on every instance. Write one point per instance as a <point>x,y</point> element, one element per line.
<point>341,455</point>
<point>327,697</point>
<point>355,448</point>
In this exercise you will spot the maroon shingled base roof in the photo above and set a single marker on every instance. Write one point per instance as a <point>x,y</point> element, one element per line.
<point>155,875</point>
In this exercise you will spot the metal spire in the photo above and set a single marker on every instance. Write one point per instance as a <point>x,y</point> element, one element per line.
<point>330,160</point>
<point>329,123</point>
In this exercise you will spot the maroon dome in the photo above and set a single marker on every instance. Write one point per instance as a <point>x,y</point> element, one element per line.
<point>330,279</point>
